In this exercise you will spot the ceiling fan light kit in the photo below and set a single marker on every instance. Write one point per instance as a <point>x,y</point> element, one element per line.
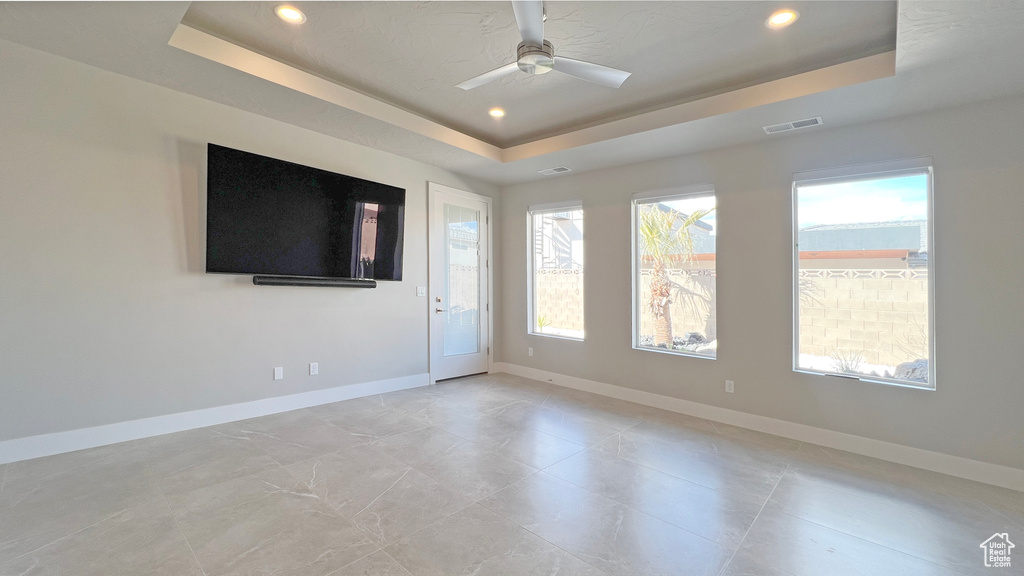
<point>535,59</point>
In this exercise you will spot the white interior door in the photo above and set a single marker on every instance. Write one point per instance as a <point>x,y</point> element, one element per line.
<point>459,261</point>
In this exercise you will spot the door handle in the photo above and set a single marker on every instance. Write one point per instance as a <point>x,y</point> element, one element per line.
<point>438,310</point>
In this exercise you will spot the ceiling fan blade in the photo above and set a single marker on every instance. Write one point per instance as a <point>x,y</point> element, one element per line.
<point>489,76</point>
<point>595,73</point>
<point>530,17</point>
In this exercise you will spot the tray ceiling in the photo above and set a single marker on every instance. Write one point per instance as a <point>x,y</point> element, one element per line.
<point>947,53</point>
<point>412,55</point>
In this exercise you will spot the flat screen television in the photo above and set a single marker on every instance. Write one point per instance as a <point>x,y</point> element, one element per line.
<point>270,217</point>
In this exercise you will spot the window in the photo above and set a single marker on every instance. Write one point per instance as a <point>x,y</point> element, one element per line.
<point>863,291</point>
<point>556,270</point>
<point>674,292</point>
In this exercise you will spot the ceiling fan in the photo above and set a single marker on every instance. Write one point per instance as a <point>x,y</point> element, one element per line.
<point>535,55</point>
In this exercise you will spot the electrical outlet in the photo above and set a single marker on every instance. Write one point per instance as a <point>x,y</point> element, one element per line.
<point>279,373</point>
<point>529,351</point>
<point>314,368</point>
<point>730,387</point>
<point>421,290</point>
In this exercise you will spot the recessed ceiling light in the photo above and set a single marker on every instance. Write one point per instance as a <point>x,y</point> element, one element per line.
<point>290,14</point>
<point>497,113</point>
<point>781,19</point>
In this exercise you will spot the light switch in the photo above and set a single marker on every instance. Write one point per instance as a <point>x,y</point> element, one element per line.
<point>279,373</point>
<point>421,291</point>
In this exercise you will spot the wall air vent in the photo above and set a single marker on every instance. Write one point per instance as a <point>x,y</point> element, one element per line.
<point>555,170</point>
<point>794,125</point>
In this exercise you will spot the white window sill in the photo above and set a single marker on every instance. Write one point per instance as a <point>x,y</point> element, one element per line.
<point>674,352</point>
<point>870,380</point>
<point>556,337</point>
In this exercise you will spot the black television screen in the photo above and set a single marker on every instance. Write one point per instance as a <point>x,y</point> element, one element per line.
<point>271,217</point>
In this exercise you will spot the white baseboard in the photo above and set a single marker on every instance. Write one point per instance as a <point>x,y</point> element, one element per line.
<point>71,440</point>
<point>988,473</point>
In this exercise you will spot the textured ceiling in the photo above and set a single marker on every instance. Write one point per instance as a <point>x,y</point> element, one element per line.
<point>948,53</point>
<point>413,54</point>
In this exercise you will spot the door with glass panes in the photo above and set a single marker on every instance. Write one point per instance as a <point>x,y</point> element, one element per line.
<point>458,251</point>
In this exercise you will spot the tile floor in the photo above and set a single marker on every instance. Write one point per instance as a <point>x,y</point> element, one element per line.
<point>490,475</point>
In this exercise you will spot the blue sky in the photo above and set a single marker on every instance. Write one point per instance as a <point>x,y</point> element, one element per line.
<point>694,203</point>
<point>880,200</point>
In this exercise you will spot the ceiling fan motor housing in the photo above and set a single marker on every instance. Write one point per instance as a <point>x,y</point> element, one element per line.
<point>534,59</point>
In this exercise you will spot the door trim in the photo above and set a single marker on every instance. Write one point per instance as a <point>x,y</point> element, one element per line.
<point>432,189</point>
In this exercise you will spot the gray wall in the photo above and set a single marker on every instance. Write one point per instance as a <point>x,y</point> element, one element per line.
<point>106,313</point>
<point>978,154</point>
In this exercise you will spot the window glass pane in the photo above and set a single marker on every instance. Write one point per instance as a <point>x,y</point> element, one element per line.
<point>676,292</point>
<point>462,284</point>
<point>557,273</point>
<point>862,278</point>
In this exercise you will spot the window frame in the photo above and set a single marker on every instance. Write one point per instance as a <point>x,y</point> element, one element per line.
<point>862,172</point>
<point>648,197</point>
<point>531,211</point>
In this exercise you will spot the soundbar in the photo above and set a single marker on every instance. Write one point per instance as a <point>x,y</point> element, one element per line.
<point>300,281</point>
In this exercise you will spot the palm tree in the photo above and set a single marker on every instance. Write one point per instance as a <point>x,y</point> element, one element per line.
<point>664,234</point>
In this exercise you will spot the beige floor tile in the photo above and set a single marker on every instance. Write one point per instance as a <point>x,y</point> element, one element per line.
<point>534,448</point>
<point>348,480</point>
<point>468,424</point>
<point>608,411</point>
<point>376,564</point>
<point>720,516</point>
<point>478,541</point>
<point>456,462</point>
<point>605,533</point>
<point>672,421</point>
<point>411,401</point>
<point>270,423</point>
<point>522,390</point>
<point>368,418</point>
<point>413,501</point>
<point>483,399</point>
<point>625,490</point>
<point>337,410</point>
<point>538,387</point>
<point>140,540</point>
<point>423,445</point>
<point>39,504</point>
<point>719,439</point>
<point>582,426</point>
<point>571,398</point>
<point>268,523</point>
<point>476,474</point>
<point>803,548</point>
<point>312,439</point>
<point>382,496</point>
<point>520,443</point>
<point>718,465</point>
<point>757,440</point>
<point>745,565</point>
<point>190,460</point>
<point>931,526</point>
<point>829,463</point>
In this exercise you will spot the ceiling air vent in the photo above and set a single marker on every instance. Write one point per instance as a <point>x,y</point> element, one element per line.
<point>794,125</point>
<point>555,170</point>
